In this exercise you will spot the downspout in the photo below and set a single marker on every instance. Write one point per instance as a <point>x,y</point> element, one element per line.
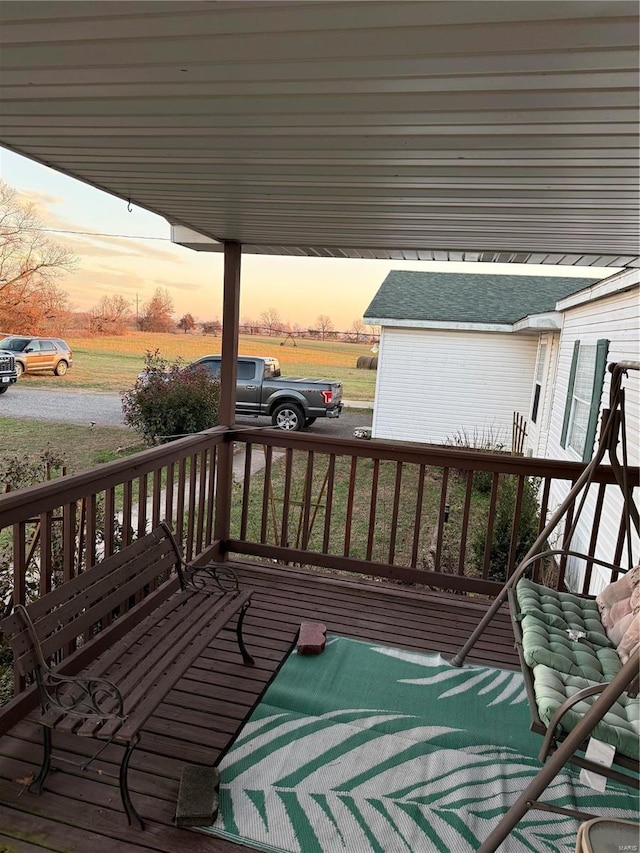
<point>228,372</point>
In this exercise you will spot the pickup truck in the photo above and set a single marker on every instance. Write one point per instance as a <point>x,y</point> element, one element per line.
<point>291,403</point>
<point>8,372</point>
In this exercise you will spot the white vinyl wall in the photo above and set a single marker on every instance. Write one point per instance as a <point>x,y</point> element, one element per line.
<point>435,384</point>
<point>547,360</point>
<point>615,317</point>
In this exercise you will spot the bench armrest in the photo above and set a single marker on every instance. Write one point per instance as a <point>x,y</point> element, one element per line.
<point>224,578</point>
<point>85,697</point>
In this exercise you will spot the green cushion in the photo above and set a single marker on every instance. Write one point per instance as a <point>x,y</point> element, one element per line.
<point>620,727</point>
<point>547,616</point>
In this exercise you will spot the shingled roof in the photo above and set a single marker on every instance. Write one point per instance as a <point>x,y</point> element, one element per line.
<point>465,298</point>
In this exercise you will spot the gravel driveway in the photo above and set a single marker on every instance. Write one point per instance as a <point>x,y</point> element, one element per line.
<point>105,409</point>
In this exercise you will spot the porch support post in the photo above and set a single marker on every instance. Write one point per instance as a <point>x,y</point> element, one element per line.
<point>228,371</point>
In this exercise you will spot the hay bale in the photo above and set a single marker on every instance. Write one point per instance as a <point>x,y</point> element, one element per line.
<point>374,363</point>
<point>363,362</point>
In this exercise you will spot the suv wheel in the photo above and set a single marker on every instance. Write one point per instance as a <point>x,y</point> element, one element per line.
<point>61,368</point>
<point>19,369</point>
<point>288,416</point>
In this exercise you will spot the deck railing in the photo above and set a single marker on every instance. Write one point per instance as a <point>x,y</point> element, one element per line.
<point>446,517</point>
<point>67,525</point>
<point>450,518</point>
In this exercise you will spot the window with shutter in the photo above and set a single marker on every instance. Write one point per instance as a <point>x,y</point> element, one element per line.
<point>583,397</point>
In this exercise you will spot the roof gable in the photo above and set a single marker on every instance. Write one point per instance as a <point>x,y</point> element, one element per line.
<point>464,298</point>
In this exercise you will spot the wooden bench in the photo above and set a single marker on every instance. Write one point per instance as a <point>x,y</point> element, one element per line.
<point>107,647</point>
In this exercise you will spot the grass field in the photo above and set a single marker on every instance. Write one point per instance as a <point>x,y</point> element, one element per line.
<point>112,363</point>
<point>82,447</point>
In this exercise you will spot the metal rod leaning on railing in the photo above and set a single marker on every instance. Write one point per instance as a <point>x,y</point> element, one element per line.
<point>608,440</point>
<point>527,800</point>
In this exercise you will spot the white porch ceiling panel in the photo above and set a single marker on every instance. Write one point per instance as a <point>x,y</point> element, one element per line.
<point>478,130</point>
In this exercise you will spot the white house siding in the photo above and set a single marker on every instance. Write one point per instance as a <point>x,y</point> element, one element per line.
<point>538,433</point>
<point>433,384</point>
<point>616,318</point>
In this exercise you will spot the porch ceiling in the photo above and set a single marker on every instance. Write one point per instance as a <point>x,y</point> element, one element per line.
<point>418,130</point>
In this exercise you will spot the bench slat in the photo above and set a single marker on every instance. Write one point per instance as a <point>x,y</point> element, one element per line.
<point>189,654</point>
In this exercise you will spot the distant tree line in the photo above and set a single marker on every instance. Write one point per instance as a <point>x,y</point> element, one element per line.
<point>33,302</point>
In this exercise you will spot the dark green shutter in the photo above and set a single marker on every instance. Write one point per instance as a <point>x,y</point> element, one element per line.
<point>567,405</point>
<point>598,381</point>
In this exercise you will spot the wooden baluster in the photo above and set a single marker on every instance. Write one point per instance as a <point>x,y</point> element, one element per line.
<point>373,504</point>
<point>109,521</point>
<point>143,497</point>
<point>202,500</point>
<point>155,503</point>
<point>168,495</point>
<point>286,499</point>
<point>69,541</point>
<point>92,507</point>
<point>441,518</point>
<point>182,481</point>
<point>490,522</point>
<point>515,527</point>
<point>19,586</point>
<point>211,488</point>
<point>593,539</point>
<point>542,523</point>
<point>395,512</point>
<point>46,543</point>
<point>267,494</point>
<point>191,511</point>
<point>246,490</point>
<point>462,556</point>
<point>566,542</point>
<point>305,515</point>
<point>127,513</point>
<point>331,473</point>
<point>351,493</point>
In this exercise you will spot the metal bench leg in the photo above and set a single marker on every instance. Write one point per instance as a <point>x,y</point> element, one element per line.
<point>124,785</point>
<point>246,657</point>
<point>39,781</point>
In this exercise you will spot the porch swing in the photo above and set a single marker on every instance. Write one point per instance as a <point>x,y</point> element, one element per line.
<point>576,683</point>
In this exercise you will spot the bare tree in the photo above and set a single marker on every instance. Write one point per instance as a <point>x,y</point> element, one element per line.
<point>186,323</point>
<point>157,313</point>
<point>325,326</point>
<point>357,331</point>
<point>26,254</point>
<point>110,316</point>
<point>270,321</point>
<point>31,301</point>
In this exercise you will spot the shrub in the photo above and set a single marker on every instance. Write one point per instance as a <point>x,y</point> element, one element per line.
<point>169,400</point>
<point>503,524</point>
<point>486,440</point>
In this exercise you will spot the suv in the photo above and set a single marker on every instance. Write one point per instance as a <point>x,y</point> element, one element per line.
<point>8,375</point>
<point>34,355</point>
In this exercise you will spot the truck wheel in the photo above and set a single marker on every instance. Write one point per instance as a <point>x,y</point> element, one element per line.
<point>288,416</point>
<point>3,388</point>
<point>309,421</point>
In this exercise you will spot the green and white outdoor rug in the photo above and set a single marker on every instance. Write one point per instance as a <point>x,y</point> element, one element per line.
<point>371,749</point>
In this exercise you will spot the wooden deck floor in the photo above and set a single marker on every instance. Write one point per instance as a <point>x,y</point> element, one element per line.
<point>82,811</point>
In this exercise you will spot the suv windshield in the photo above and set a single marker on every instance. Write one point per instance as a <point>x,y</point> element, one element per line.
<point>14,344</point>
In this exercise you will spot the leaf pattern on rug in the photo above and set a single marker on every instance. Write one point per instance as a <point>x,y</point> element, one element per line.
<point>373,780</point>
<point>512,683</point>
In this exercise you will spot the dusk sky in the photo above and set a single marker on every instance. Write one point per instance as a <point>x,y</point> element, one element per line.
<point>299,288</point>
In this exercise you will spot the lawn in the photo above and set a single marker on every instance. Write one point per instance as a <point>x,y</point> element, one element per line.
<point>81,447</point>
<point>356,543</point>
<point>113,363</point>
